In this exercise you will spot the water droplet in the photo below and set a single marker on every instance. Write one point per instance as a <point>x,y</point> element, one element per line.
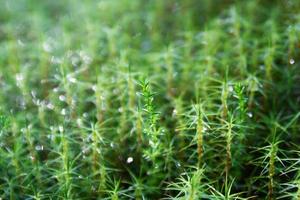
<point>112,145</point>
<point>32,158</point>
<point>94,88</point>
<point>250,114</point>
<point>21,43</point>
<point>55,90</point>
<point>79,122</point>
<point>47,47</point>
<point>85,57</point>
<point>120,110</point>
<point>63,111</point>
<point>62,97</point>
<point>262,67</point>
<point>71,79</point>
<point>39,147</point>
<point>85,115</point>
<point>61,129</point>
<point>174,113</point>
<point>292,61</point>
<point>51,136</point>
<point>129,160</point>
<point>19,79</point>
<point>50,106</point>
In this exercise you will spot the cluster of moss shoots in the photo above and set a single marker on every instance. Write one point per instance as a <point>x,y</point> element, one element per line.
<point>136,99</point>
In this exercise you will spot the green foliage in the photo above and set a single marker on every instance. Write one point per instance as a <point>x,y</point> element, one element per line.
<point>139,99</point>
<point>4,122</point>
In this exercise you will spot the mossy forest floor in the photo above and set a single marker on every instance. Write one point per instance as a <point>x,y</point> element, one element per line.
<point>150,99</point>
